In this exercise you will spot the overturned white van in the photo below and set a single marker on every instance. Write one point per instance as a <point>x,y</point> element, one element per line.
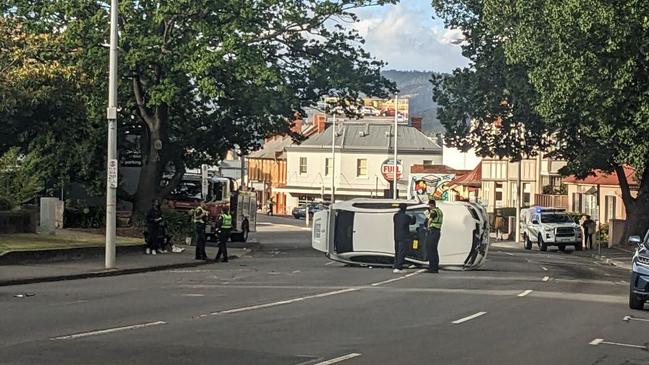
<point>360,232</point>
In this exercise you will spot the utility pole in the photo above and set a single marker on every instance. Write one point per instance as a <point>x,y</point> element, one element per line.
<point>111,114</point>
<point>519,201</point>
<point>396,134</point>
<point>333,158</point>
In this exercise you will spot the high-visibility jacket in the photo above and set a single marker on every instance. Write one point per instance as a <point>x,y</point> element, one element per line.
<point>435,218</point>
<point>226,221</point>
<point>199,215</point>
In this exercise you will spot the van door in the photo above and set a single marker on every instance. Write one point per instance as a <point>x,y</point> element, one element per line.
<point>320,231</point>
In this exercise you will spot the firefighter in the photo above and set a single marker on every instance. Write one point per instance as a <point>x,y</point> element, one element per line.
<point>225,227</point>
<point>199,218</point>
<point>434,219</point>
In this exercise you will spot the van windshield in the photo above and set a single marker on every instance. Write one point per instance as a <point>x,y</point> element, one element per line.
<point>555,218</point>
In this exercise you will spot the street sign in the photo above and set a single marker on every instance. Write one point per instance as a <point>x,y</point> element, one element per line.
<point>387,169</point>
<point>112,174</point>
<point>204,181</point>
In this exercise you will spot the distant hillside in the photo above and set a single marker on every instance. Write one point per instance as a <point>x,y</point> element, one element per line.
<point>416,85</point>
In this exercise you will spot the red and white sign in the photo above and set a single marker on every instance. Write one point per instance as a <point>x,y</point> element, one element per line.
<point>387,169</point>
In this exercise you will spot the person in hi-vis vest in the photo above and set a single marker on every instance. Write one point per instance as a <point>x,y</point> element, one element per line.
<point>225,227</point>
<point>434,219</point>
<point>199,218</point>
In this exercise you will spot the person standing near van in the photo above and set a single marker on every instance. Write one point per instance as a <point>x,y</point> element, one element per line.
<point>199,218</point>
<point>499,225</point>
<point>589,230</point>
<point>434,220</point>
<point>402,222</point>
<point>225,228</point>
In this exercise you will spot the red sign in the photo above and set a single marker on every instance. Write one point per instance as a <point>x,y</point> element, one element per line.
<point>387,169</point>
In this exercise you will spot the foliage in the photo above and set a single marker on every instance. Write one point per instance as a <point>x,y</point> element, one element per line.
<point>199,77</point>
<point>179,225</point>
<point>603,232</point>
<point>549,189</point>
<point>5,204</point>
<point>77,214</point>
<point>20,178</point>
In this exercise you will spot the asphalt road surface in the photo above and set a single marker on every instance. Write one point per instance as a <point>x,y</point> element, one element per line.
<point>287,304</point>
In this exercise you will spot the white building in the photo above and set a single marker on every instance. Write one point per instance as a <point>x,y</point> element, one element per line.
<point>454,158</point>
<point>360,151</point>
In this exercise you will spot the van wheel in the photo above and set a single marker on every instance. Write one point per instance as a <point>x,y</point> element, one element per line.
<point>527,242</point>
<point>542,244</point>
<point>635,302</point>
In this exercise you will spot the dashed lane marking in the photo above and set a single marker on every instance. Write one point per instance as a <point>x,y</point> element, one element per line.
<point>525,293</point>
<point>339,359</point>
<point>544,268</point>
<point>545,278</point>
<point>192,295</point>
<point>600,341</point>
<point>509,254</point>
<point>468,318</point>
<point>109,330</point>
<point>330,263</point>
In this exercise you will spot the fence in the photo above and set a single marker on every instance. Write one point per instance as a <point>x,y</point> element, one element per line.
<point>549,200</point>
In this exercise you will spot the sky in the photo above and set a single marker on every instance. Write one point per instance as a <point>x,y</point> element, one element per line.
<point>408,38</point>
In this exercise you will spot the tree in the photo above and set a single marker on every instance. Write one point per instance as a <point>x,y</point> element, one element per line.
<point>20,178</point>
<point>199,77</point>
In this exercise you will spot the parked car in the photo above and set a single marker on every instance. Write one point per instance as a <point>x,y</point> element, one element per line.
<point>299,212</point>
<point>639,288</point>
<point>549,227</point>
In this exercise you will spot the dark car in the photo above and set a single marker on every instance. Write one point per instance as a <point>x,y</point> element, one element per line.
<point>299,212</point>
<point>639,288</point>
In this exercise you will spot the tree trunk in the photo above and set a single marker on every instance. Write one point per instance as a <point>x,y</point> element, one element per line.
<point>637,209</point>
<point>147,189</point>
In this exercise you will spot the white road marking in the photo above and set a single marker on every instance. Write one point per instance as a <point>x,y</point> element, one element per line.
<point>510,254</point>
<point>525,293</point>
<point>631,318</point>
<point>544,268</point>
<point>462,320</point>
<point>398,278</point>
<point>192,295</point>
<point>109,330</point>
<point>339,359</point>
<point>545,278</point>
<point>599,341</point>
<point>281,302</point>
<point>330,263</point>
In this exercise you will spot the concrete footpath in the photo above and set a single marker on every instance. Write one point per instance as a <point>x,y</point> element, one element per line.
<point>127,263</point>
<point>617,256</point>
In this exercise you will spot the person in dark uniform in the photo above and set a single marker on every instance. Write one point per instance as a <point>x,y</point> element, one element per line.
<point>154,229</point>
<point>434,219</point>
<point>589,230</point>
<point>402,222</point>
<point>199,218</point>
<point>225,227</point>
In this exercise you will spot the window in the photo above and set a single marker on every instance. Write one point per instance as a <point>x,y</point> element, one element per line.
<point>361,167</point>
<point>302,165</point>
<point>609,211</point>
<point>428,162</point>
<point>576,203</point>
<point>499,191</point>
<point>328,166</point>
<point>527,194</point>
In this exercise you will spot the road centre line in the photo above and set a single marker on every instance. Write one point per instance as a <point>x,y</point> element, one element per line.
<point>545,278</point>
<point>339,359</point>
<point>281,302</point>
<point>109,330</point>
<point>599,341</point>
<point>468,318</point>
<point>526,292</point>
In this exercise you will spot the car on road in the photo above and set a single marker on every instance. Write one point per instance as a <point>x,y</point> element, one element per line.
<point>300,212</point>
<point>549,227</point>
<point>639,283</point>
<point>359,232</point>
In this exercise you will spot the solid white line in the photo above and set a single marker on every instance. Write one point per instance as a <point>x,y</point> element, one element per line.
<point>399,278</point>
<point>109,330</point>
<point>629,318</point>
<point>544,268</point>
<point>281,302</point>
<point>545,278</point>
<point>462,320</point>
<point>598,341</point>
<point>524,293</point>
<point>339,359</point>
<point>192,295</point>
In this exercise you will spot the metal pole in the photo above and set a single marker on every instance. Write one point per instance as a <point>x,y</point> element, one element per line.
<point>396,133</point>
<point>333,159</point>
<point>111,114</point>
<point>518,202</point>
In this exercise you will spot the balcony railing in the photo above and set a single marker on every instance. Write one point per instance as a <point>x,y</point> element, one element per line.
<point>550,200</point>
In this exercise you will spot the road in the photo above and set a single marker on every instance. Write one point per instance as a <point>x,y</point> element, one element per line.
<point>287,304</point>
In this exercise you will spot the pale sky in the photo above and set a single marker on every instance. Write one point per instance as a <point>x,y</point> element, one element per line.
<point>408,38</point>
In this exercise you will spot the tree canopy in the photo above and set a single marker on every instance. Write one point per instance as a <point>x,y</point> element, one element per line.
<point>199,77</point>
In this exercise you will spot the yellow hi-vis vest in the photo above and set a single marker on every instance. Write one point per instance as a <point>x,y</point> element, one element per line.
<point>226,221</point>
<point>198,215</point>
<point>435,218</point>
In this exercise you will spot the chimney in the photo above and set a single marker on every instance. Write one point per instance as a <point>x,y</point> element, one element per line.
<point>416,122</point>
<point>296,126</point>
<point>320,122</point>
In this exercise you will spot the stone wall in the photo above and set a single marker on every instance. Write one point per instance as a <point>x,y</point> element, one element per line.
<point>18,221</point>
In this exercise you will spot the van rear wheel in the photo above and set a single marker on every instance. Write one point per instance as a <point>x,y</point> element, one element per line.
<point>635,302</point>
<point>542,244</point>
<point>527,242</point>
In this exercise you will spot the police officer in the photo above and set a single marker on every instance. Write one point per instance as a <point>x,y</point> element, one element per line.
<point>225,227</point>
<point>402,238</point>
<point>434,219</point>
<point>199,218</point>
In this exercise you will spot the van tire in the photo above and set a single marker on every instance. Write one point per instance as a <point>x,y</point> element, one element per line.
<point>635,302</point>
<point>542,244</point>
<point>527,242</point>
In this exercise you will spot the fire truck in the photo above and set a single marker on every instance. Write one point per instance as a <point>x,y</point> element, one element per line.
<point>219,193</point>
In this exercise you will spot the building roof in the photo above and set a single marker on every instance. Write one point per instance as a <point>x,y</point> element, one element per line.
<point>600,177</point>
<point>273,149</point>
<point>367,136</point>
<point>436,169</point>
<point>473,179</point>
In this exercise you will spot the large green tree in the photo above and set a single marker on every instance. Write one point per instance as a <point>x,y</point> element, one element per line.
<point>199,77</point>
